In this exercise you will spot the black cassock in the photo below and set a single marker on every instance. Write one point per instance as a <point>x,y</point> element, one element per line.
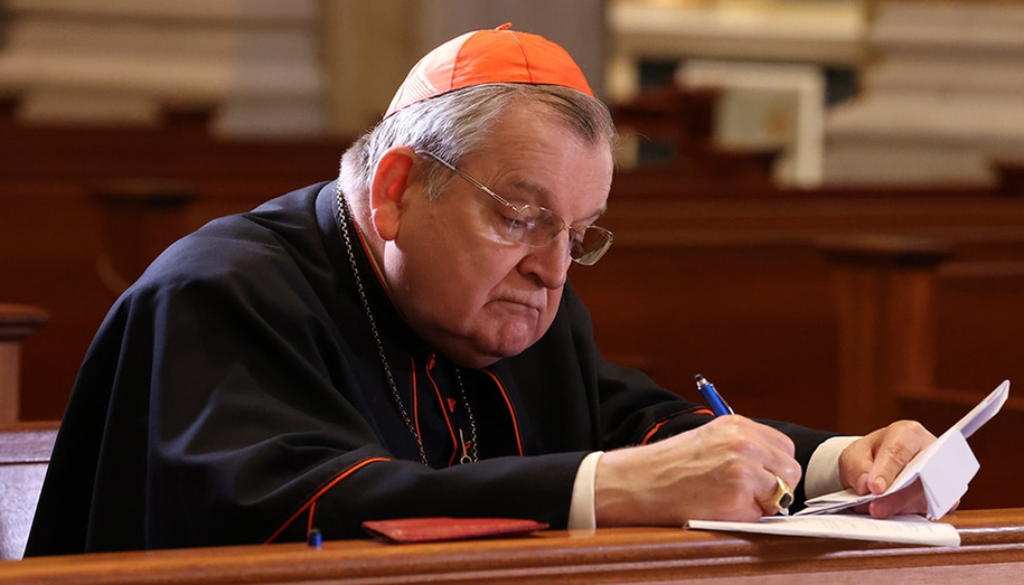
<point>234,394</point>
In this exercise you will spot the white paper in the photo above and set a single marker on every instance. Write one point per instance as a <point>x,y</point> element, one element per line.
<point>984,412</point>
<point>905,529</point>
<point>945,468</point>
<point>947,474</point>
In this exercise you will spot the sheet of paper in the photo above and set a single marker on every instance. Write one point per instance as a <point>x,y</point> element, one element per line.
<point>945,468</point>
<point>903,529</point>
<point>985,410</point>
<point>948,473</point>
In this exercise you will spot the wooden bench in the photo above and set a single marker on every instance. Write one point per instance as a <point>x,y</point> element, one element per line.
<point>16,323</point>
<point>24,454</point>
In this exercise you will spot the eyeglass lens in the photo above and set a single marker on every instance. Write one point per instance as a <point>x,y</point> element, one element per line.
<point>536,226</point>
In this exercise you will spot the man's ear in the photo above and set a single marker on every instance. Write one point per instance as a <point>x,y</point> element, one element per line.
<point>388,189</point>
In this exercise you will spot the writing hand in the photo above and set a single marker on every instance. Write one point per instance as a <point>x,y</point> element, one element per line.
<point>870,464</point>
<point>724,470</point>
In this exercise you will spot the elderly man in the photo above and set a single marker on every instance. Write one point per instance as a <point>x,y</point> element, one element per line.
<point>404,342</point>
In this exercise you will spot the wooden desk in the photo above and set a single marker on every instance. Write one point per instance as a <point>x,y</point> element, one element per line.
<point>992,552</point>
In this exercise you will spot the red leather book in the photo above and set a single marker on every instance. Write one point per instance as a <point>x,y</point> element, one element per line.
<point>439,529</point>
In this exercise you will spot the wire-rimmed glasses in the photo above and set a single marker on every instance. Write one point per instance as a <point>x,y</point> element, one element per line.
<point>536,226</point>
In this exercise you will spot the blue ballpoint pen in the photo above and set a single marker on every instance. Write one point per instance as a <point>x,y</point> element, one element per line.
<point>718,404</point>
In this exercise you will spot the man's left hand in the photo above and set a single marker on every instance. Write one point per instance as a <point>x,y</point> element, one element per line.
<point>871,464</point>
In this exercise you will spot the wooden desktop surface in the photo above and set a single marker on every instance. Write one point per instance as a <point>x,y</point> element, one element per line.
<point>992,552</point>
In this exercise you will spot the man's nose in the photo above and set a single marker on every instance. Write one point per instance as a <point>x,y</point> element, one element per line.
<point>549,263</point>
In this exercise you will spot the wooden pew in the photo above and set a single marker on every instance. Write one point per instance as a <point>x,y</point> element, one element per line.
<point>884,291</point>
<point>138,220</point>
<point>991,551</point>
<point>24,454</point>
<point>16,323</point>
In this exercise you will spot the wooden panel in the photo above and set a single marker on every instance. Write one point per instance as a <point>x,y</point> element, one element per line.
<point>758,320</point>
<point>979,318</point>
<point>884,290</point>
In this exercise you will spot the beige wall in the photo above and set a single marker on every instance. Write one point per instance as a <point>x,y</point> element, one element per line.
<point>368,47</point>
<point>119,61</point>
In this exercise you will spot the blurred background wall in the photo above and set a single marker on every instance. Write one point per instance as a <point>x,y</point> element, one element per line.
<point>852,91</point>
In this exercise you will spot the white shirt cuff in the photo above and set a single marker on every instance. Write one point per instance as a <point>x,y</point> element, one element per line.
<point>581,510</point>
<point>823,468</point>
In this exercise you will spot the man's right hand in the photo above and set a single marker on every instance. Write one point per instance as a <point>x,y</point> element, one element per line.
<point>724,470</point>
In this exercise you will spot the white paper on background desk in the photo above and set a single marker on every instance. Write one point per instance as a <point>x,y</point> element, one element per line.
<point>945,468</point>
<point>906,529</point>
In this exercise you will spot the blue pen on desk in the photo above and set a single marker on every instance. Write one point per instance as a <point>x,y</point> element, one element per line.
<point>316,539</point>
<point>718,404</point>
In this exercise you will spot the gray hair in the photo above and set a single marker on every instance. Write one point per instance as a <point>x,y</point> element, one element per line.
<point>457,124</point>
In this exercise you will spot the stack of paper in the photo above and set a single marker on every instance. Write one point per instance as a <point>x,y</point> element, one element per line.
<point>908,529</point>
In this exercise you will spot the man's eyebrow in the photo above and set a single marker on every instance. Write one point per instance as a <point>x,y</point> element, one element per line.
<point>524,184</point>
<point>541,192</point>
<point>600,212</point>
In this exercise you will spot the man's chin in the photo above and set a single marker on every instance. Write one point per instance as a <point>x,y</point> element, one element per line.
<point>482,359</point>
<point>505,339</point>
<point>481,355</point>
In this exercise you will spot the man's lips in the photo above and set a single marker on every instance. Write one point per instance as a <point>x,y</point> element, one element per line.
<point>524,304</point>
